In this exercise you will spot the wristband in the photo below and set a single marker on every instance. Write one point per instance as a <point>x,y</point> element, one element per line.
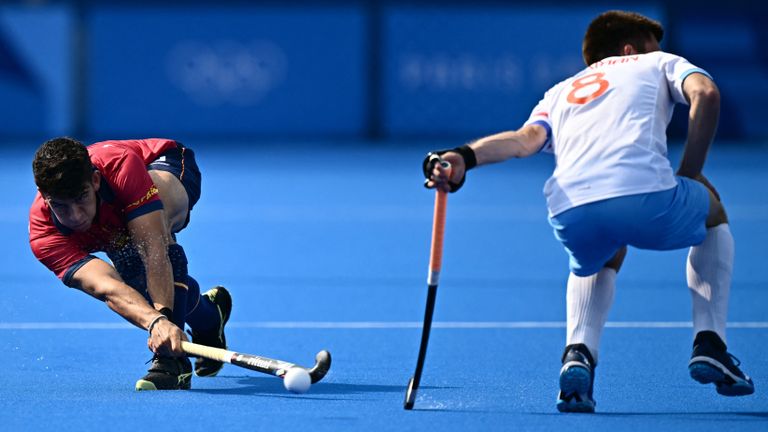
<point>466,152</point>
<point>166,313</point>
<point>154,321</point>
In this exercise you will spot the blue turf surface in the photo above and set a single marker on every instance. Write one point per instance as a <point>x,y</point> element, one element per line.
<point>326,247</point>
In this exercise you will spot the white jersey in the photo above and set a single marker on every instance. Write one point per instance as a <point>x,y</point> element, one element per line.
<point>607,128</point>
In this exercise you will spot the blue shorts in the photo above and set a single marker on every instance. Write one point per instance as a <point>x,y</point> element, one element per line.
<point>180,161</point>
<point>671,219</point>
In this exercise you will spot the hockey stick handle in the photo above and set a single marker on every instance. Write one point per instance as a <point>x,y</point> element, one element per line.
<point>438,230</point>
<point>257,363</point>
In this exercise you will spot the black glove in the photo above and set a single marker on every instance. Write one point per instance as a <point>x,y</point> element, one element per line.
<point>466,152</point>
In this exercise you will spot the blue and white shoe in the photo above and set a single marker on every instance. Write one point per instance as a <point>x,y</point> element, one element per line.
<point>577,377</point>
<point>712,363</point>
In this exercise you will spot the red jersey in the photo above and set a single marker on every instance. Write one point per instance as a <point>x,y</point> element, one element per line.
<point>126,192</point>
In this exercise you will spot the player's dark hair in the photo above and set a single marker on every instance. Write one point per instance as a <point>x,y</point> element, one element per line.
<point>62,168</point>
<point>610,31</point>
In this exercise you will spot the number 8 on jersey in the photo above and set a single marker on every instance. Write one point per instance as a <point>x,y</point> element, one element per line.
<point>580,94</point>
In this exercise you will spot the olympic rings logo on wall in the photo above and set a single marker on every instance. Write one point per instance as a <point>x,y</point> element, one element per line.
<point>226,72</point>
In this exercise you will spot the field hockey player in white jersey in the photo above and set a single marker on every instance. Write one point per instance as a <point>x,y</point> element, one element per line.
<point>613,186</point>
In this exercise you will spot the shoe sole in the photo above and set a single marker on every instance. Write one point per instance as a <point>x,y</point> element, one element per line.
<point>185,381</point>
<point>575,379</point>
<point>142,385</point>
<point>575,407</point>
<point>709,371</point>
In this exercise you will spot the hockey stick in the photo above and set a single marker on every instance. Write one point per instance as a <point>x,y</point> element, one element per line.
<point>261,364</point>
<point>435,260</point>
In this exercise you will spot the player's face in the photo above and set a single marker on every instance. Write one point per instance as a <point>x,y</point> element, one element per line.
<point>77,213</point>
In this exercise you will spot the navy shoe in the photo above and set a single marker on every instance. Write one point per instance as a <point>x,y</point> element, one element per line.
<point>712,363</point>
<point>220,297</point>
<point>577,377</point>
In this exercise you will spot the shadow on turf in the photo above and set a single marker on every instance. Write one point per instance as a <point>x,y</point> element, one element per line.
<point>694,415</point>
<point>697,415</point>
<point>247,385</point>
<point>737,415</point>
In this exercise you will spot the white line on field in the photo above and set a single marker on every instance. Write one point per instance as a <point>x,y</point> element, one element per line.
<point>351,325</point>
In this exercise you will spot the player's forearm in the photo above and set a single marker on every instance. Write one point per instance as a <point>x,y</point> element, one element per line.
<point>150,235</point>
<point>702,125</point>
<point>160,279</point>
<point>507,145</point>
<point>132,306</point>
<point>495,148</point>
<point>101,281</point>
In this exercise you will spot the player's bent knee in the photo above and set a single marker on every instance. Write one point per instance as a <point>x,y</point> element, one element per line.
<point>717,215</point>
<point>617,260</point>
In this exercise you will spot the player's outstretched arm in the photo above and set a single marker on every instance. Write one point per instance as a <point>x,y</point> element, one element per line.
<point>493,148</point>
<point>704,98</point>
<point>512,144</point>
<point>101,280</point>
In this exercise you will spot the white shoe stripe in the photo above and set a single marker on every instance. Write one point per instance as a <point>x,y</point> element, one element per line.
<point>720,366</point>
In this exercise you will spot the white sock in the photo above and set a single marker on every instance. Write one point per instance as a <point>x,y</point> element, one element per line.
<point>709,270</point>
<point>588,300</point>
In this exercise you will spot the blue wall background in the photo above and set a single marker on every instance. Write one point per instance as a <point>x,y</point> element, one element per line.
<point>343,69</point>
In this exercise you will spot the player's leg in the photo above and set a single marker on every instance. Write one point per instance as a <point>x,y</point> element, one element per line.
<point>594,262</point>
<point>174,197</point>
<point>178,179</point>
<point>691,215</point>
<point>709,270</point>
<point>206,314</point>
<point>175,207</point>
<point>588,301</point>
<point>210,332</point>
<point>187,299</point>
<point>165,373</point>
